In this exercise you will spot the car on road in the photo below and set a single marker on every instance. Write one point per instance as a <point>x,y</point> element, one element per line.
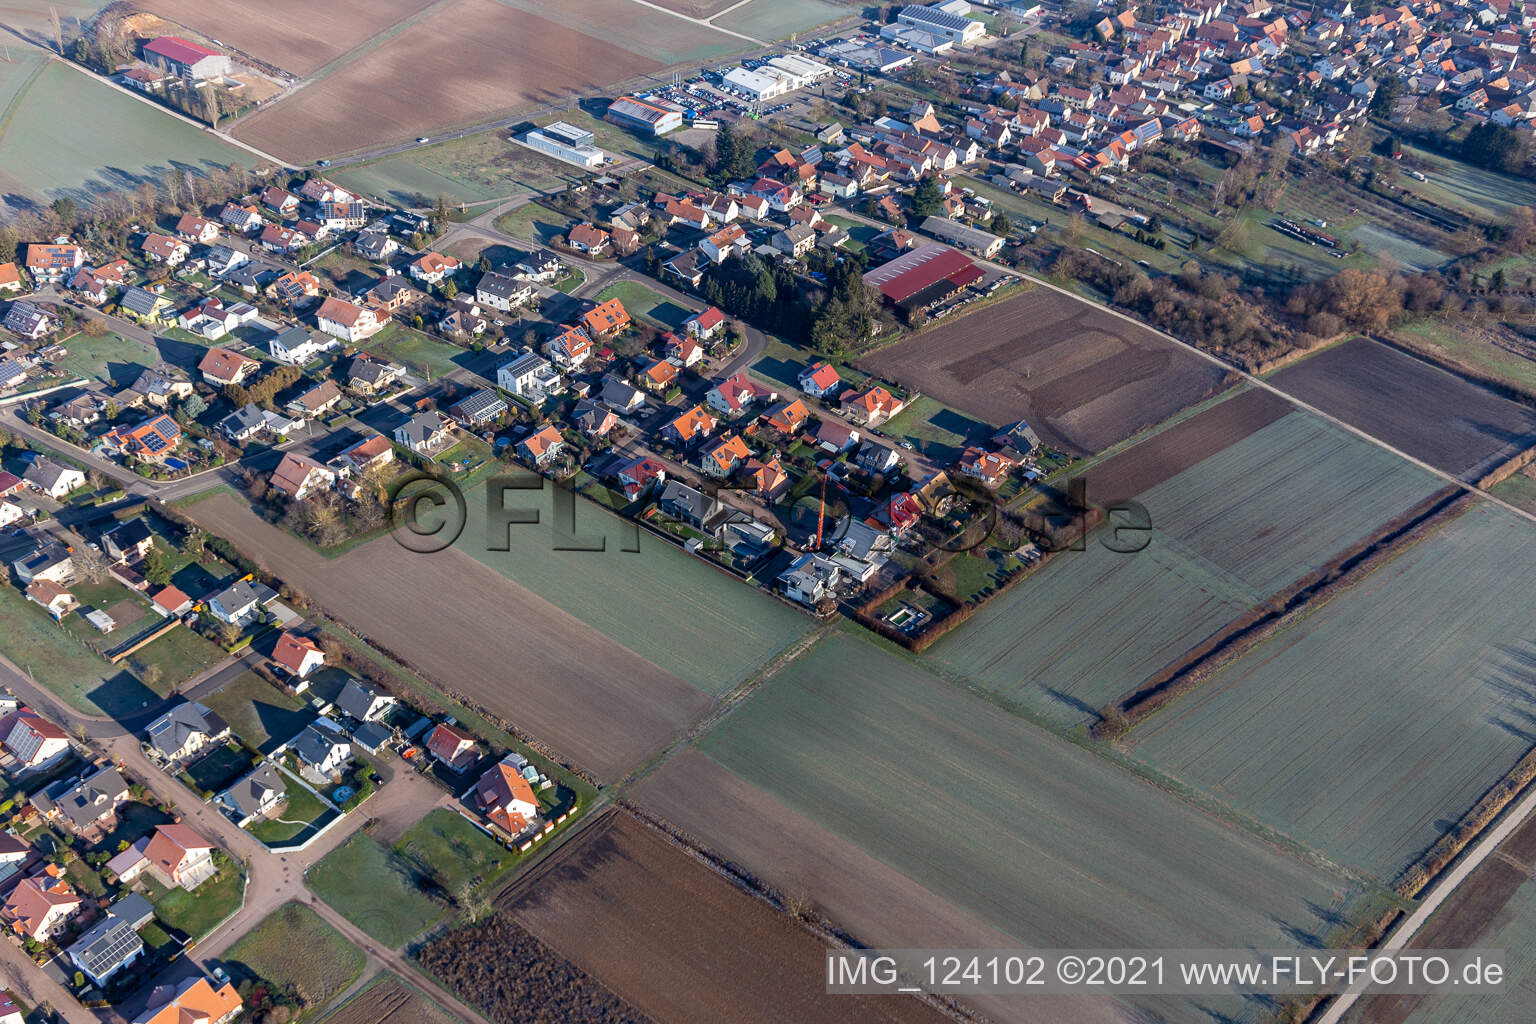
<point>907,445</point>
<point>322,163</point>
<point>422,140</point>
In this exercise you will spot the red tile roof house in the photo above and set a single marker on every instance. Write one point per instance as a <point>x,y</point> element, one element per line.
<point>820,380</point>
<point>452,747</point>
<point>606,318</point>
<point>300,476</point>
<point>871,407</point>
<point>705,325</point>
<point>988,467</point>
<point>433,267</point>
<point>221,367</point>
<point>588,238</point>
<point>164,249</point>
<point>506,798</point>
<point>737,393</point>
<point>31,739</point>
<point>174,856</point>
<point>542,447</point>
<point>197,229</point>
<point>40,906</point>
<point>298,655</point>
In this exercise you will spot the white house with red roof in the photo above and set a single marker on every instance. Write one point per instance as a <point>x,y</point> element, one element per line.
<point>682,351</point>
<point>820,380</point>
<point>706,325</point>
<point>31,739</point>
<point>299,655</point>
<point>186,58</point>
<point>452,746</point>
<point>738,393</point>
<point>342,319</point>
<point>506,798</point>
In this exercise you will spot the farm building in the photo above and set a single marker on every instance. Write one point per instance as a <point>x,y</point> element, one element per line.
<point>566,142</point>
<point>644,115</point>
<point>983,243</point>
<point>186,58</point>
<point>923,277</point>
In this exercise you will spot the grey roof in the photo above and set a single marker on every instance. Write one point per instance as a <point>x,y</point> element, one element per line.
<point>483,405</point>
<point>153,382</point>
<point>356,699</point>
<point>371,370</point>
<point>620,393</point>
<point>291,338</point>
<point>937,18</point>
<point>684,499</point>
<point>371,735</point>
<point>421,428</point>
<point>315,744</point>
<point>526,363</point>
<point>170,732</point>
<point>44,472</point>
<point>129,533</point>
<point>11,372</point>
<point>86,802</point>
<point>246,418</point>
<point>239,595</point>
<point>248,795</point>
<point>24,317</point>
<point>138,299</point>
<point>500,286</point>
<point>107,945</point>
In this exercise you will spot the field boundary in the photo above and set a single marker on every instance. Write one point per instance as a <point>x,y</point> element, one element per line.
<point>1502,388</point>
<point>21,94</point>
<point>1264,620</point>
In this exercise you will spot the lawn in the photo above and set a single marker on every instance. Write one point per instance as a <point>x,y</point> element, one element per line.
<point>53,656</point>
<point>474,168</point>
<point>371,887</point>
<point>459,852</point>
<point>218,769</point>
<point>937,431</point>
<point>421,354</point>
<point>1368,726</point>
<point>859,233</point>
<point>174,658</point>
<point>295,946</point>
<point>201,911</point>
<point>535,223</point>
<point>258,712</point>
<point>1042,839</point>
<point>659,602</point>
<point>68,135</point>
<point>303,813</point>
<point>640,301</point>
<point>111,358</point>
<point>1487,350</point>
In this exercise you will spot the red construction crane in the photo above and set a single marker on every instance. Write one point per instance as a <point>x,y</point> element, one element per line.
<point>821,515</point>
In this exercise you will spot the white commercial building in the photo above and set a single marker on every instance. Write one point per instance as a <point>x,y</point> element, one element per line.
<point>803,69</point>
<point>958,29</point>
<point>763,84</point>
<point>566,142</point>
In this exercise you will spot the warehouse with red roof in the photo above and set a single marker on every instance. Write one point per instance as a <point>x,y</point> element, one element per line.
<point>923,277</point>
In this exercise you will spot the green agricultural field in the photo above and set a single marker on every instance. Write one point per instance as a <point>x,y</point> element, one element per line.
<point>778,19</point>
<point>1484,350</point>
<point>1284,500</point>
<point>371,887</point>
<point>1512,931</point>
<point>642,302</point>
<point>1229,532</point>
<point>661,603</point>
<point>1053,845</point>
<point>295,946</point>
<point>1519,490</point>
<point>1367,726</point>
<point>65,134</point>
<point>459,852</point>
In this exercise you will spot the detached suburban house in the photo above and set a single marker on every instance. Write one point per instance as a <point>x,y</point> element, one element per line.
<point>39,907</point>
<point>452,747</point>
<point>52,478</point>
<point>342,319</point>
<point>222,367</point>
<point>184,732</point>
<point>364,703</point>
<point>297,655</point>
<point>426,433</point>
<point>194,1001</point>
<point>541,447</point>
<point>255,796</point>
<point>300,476</point>
<point>31,740</point>
<point>506,798</point>
<point>241,603</point>
<point>113,943</point>
<point>83,805</point>
<point>322,750</point>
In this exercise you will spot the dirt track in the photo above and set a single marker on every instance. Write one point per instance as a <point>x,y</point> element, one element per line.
<point>1082,377</point>
<point>390,1002</point>
<point>475,631</point>
<point>679,942</point>
<point>434,74</point>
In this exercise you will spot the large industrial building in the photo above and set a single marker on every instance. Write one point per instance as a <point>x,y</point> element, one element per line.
<point>777,76</point>
<point>566,142</point>
<point>957,28</point>
<point>644,115</point>
<point>925,276</point>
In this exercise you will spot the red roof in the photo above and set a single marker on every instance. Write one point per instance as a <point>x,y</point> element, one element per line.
<point>9,482</point>
<point>907,275</point>
<point>183,51</point>
<point>709,319</point>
